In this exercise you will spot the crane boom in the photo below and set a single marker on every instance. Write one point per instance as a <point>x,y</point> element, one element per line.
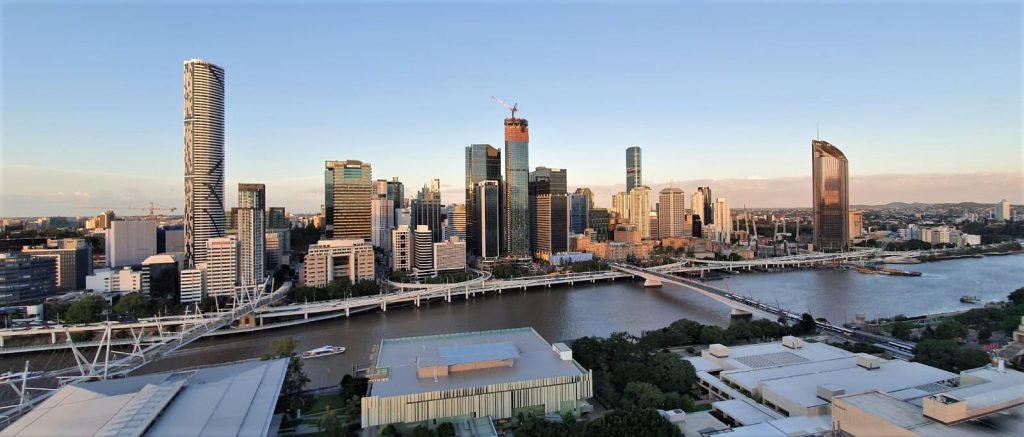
<point>514,107</point>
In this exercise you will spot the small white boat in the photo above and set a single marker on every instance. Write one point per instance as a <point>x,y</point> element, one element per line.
<point>323,351</point>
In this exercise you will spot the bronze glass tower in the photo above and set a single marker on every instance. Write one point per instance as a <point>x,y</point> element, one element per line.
<point>830,178</point>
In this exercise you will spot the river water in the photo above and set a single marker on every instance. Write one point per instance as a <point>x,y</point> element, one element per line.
<point>565,313</point>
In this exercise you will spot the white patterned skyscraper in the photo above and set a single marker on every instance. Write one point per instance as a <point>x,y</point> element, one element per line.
<point>204,157</point>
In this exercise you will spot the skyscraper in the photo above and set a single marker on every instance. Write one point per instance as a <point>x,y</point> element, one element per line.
<point>252,201</point>
<point>672,214</point>
<point>204,157</point>
<point>396,193</point>
<point>422,249</point>
<point>220,271</point>
<point>830,178</point>
<point>401,246</point>
<point>382,215</point>
<point>1002,210</point>
<point>517,180</point>
<point>456,222</point>
<point>707,215</point>
<point>598,221</point>
<point>487,215</point>
<point>722,217</point>
<point>697,204</point>
<point>640,209</point>
<point>483,163</point>
<point>426,210</point>
<point>549,208</point>
<point>347,192</point>
<point>579,211</point>
<point>634,177</point>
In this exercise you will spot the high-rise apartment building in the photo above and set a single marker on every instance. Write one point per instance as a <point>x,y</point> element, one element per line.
<point>426,210</point>
<point>517,187</point>
<point>620,204</point>
<point>347,192</point>
<point>455,224</point>
<point>580,203</point>
<point>830,179</point>
<point>549,208</point>
<point>634,176</point>
<point>640,209</point>
<point>1003,210</point>
<point>599,224</point>
<point>382,215</point>
<point>204,157</point>
<point>331,260</point>
<point>422,248</point>
<point>396,193</point>
<point>26,279</point>
<point>129,242</point>
<point>672,214</point>
<point>487,216</point>
<point>401,248</point>
<point>483,163</point>
<point>220,276</point>
<point>722,220</point>
<point>252,243</point>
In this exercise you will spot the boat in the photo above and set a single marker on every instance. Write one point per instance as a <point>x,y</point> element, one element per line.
<point>898,272</point>
<point>969,299</point>
<point>323,351</point>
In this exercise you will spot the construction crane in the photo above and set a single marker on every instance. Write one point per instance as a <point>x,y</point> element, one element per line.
<point>152,208</point>
<point>514,107</point>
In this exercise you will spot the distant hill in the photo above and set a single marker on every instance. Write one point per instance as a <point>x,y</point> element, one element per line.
<point>905,205</point>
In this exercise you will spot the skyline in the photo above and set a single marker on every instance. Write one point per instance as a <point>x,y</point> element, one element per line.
<point>264,120</point>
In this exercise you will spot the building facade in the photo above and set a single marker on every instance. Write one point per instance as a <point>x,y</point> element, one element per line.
<point>1002,211</point>
<point>426,211</point>
<point>483,163</point>
<point>204,157</point>
<point>450,255</point>
<point>634,175</point>
<point>401,248</point>
<point>128,243</point>
<point>722,220</point>
<point>672,220</point>
<point>579,211</point>
<point>220,276</point>
<point>277,218</point>
<point>456,222</point>
<point>252,243</point>
<point>707,215</point>
<point>331,260</point>
<point>856,223</point>
<point>26,279</point>
<point>382,215</point>
<point>549,209</point>
<point>598,223</point>
<point>422,248</point>
<point>831,197</point>
<point>347,193</point>
<point>640,209</point>
<point>517,187</point>
<point>73,260</point>
<point>488,219</point>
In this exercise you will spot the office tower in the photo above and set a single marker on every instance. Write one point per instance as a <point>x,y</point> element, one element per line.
<point>698,227</point>
<point>26,279</point>
<point>634,177</point>
<point>220,277</point>
<point>277,219</point>
<point>549,208</point>
<point>382,215</point>
<point>487,216</point>
<point>708,215</point>
<point>580,203</point>
<point>73,260</point>
<point>654,223</point>
<point>347,192</point>
<point>722,220</point>
<point>396,193</point>
<point>278,248</point>
<point>517,187</point>
<point>331,260</point>
<point>128,243</point>
<point>483,163</point>
<point>426,210</point>
<point>672,214</point>
<point>170,239</point>
<point>401,248</point>
<point>830,179</point>
<point>456,222</point>
<point>422,248</point>
<point>639,209</point>
<point>1003,210</point>
<point>204,157</point>
<point>164,274</point>
<point>252,245</point>
<point>856,223</point>
<point>599,224</point>
<point>403,216</point>
<point>697,204</point>
<point>450,255</point>
<point>620,204</point>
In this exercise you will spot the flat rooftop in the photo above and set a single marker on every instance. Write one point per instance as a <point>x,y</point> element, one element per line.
<point>758,356</point>
<point>911,417</point>
<point>235,399</point>
<point>890,376</point>
<point>532,358</point>
<point>749,379</point>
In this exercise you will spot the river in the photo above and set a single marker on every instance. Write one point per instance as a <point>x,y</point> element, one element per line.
<point>564,313</point>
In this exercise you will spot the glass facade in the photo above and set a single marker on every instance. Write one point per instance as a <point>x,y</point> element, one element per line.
<point>488,216</point>
<point>634,177</point>
<point>579,211</point>
<point>549,207</point>
<point>599,223</point>
<point>708,213</point>
<point>517,179</point>
<point>348,188</point>
<point>483,163</point>
<point>830,178</point>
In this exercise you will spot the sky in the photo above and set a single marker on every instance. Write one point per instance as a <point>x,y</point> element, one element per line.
<point>923,98</point>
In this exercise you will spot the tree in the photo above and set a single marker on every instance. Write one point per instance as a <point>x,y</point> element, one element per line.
<point>295,379</point>
<point>900,330</point>
<point>390,431</point>
<point>445,429</point>
<point>329,425</point>
<point>1017,296</point>
<point>948,355</point>
<point>629,422</point>
<point>87,310</point>
<point>134,305</point>
<point>806,326</point>
<point>421,431</point>
<point>950,329</point>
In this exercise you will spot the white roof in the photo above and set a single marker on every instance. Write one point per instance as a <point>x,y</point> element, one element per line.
<point>890,376</point>
<point>236,399</point>
<point>743,412</point>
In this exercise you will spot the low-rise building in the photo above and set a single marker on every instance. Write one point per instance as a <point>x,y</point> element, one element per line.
<point>450,255</point>
<point>116,280</point>
<point>26,279</point>
<point>452,377</point>
<point>328,260</point>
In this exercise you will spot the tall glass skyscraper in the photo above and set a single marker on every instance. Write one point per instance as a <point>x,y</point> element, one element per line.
<point>483,163</point>
<point>252,200</point>
<point>579,210</point>
<point>487,215</point>
<point>347,192</point>
<point>549,208</point>
<point>517,180</point>
<point>830,179</point>
<point>204,157</point>
<point>708,215</point>
<point>634,178</point>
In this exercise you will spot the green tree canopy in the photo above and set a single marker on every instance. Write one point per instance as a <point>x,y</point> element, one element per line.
<point>135,305</point>
<point>87,310</point>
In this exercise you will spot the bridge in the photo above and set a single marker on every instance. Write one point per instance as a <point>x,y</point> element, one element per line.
<point>802,260</point>
<point>107,363</point>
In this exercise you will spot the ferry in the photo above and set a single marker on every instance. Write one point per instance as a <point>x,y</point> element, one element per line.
<point>969,299</point>
<point>323,351</point>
